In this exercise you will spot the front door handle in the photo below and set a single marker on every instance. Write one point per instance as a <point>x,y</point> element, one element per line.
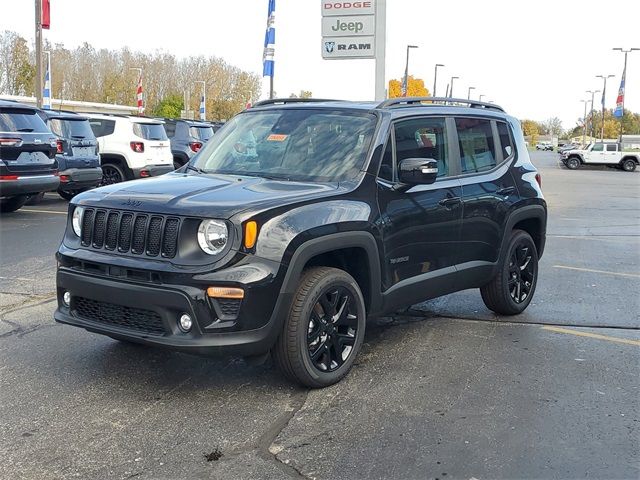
<point>449,202</point>
<point>506,191</point>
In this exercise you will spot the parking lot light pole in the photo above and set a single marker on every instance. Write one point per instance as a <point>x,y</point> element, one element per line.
<point>435,78</point>
<point>592,92</point>
<point>451,86</point>
<point>604,92</point>
<point>584,122</point>
<point>405,83</point>
<point>39,53</point>
<point>624,73</point>
<point>469,92</point>
<point>203,112</point>
<point>480,97</point>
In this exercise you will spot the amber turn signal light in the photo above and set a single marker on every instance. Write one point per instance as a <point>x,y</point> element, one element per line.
<point>250,234</point>
<point>225,292</point>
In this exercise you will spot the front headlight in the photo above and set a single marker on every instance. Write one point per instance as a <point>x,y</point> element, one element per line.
<point>212,236</point>
<point>76,220</point>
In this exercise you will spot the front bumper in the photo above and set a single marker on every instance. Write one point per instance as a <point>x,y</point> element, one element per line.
<point>152,171</point>
<point>80,178</point>
<point>28,185</point>
<point>120,308</point>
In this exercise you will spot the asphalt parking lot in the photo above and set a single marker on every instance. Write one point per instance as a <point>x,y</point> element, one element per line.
<point>444,390</point>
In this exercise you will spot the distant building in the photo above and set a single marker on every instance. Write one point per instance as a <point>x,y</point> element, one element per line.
<point>77,106</point>
<point>630,142</point>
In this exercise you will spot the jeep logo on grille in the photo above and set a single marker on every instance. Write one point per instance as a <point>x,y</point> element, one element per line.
<point>132,203</point>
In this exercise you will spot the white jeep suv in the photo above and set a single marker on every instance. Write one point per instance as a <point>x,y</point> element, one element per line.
<point>131,147</point>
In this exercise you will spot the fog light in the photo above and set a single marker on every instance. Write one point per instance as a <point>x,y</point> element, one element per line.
<point>185,323</point>
<point>66,299</point>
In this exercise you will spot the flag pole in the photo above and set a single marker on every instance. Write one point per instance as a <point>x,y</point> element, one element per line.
<point>39,53</point>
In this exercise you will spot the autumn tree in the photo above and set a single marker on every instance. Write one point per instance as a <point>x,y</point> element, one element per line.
<point>553,126</point>
<point>415,88</point>
<point>302,94</point>
<point>170,106</point>
<point>531,130</point>
<point>17,72</point>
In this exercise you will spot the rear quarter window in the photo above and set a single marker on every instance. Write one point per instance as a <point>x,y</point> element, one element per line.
<point>21,120</point>
<point>506,140</point>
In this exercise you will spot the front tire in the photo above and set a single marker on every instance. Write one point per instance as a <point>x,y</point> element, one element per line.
<point>628,165</point>
<point>512,289</point>
<point>573,163</point>
<point>324,330</point>
<point>11,204</point>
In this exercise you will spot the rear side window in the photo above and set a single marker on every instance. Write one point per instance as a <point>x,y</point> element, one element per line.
<point>150,131</point>
<point>612,148</point>
<point>21,120</point>
<point>201,133</point>
<point>79,129</point>
<point>477,147</point>
<point>170,128</point>
<point>505,140</point>
<point>102,128</point>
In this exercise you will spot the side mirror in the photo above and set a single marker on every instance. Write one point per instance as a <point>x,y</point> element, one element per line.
<point>418,171</point>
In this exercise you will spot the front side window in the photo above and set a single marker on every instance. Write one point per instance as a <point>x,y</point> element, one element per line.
<point>296,144</point>
<point>21,120</point>
<point>423,138</point>
<point>598,147</point>
<point>477,147</point>
<point>150,131</point>
<point>386,166</point>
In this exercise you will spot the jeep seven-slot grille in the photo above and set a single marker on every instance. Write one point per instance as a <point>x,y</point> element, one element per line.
<point>127,232</point>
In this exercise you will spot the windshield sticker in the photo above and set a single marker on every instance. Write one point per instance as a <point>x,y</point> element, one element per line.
<point>276,137</point>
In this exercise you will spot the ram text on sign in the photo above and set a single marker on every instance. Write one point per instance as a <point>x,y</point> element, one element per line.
<point>358,25</point>
<point>330,8</point>
<point>348,47</point>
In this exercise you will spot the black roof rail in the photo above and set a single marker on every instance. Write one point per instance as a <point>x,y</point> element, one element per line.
<point>284,101</point>
<point>411,101</point>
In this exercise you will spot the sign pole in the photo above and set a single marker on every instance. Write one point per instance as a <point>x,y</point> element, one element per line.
<point>39,53</point>
<point>381,27</point>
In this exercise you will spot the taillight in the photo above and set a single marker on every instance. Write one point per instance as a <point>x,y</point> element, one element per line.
<point>10,142</point>
<point>145,173</point>
<point>64,178</point>
<point>195,146</point>
<point>539,180</point>
<point>8,177</point>
<point>137,147</point>
<point>59,146</point>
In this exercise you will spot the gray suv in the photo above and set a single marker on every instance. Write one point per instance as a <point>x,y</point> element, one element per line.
<point>187,138</point>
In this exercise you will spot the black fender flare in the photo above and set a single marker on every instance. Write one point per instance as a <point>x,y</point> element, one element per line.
<point>527,212</point>
<point>337,241</point>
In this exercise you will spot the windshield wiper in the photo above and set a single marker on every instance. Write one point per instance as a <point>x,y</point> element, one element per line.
<point>26,130</point>
<point>263,175</point>
<point>195,169</point>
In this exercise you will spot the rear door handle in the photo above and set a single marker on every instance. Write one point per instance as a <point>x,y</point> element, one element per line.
<point>506,191</point>
<point>449,202</point>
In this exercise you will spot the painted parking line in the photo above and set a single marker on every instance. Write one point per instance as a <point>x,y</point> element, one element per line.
<point>606,272</point>
<point>31,210</point>
<point>578,333</point>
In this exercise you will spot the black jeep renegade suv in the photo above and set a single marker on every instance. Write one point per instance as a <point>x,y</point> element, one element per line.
<point>299,219</point>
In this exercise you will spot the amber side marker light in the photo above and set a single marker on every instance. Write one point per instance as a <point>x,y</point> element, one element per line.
<point>250,234</point>
<point>225,292</point>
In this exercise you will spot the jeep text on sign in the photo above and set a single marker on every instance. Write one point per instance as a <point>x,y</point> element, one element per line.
<point>347,8</point>
<point>360,25</point>
<point>348,47</point>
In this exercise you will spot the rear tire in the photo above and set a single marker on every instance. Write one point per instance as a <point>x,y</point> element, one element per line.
<point>35,199</point>
<point>573,163</point>
<point>68,194</point>
<point>512,289</point>
<point>11,204</point>
<point>324,330</point>
<point>112,173</point>
<point>628,165</point>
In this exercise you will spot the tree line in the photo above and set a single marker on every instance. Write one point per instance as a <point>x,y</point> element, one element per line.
<point>103,75</point>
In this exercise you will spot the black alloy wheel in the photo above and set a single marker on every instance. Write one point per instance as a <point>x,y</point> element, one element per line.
<point>521,273</point>
<point>111,174</point>
<point>333,325</point>
<point>629,165</point>
<point>324,330</point>
<point>512,288</point>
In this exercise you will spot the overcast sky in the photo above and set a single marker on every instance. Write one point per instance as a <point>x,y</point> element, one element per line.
<point>536,58</point>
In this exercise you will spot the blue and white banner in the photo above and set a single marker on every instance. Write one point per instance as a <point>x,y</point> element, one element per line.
<point>269,42</point>
<point>619,111</point>
<point>46,91</point>
<point>202,108</point>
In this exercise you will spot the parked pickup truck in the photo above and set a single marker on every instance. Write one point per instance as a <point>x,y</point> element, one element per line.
<point>602,154</point>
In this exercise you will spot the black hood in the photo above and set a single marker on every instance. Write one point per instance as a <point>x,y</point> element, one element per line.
<point>202,195</point>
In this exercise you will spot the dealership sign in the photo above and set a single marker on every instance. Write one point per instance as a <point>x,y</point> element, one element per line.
<point>348,29</point>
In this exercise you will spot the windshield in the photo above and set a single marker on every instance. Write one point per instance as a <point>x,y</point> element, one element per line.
<point>297,144</point>
<point>78,129</point>
<point>21,120</point>
<point>150,131</point>
<point>201,133</point>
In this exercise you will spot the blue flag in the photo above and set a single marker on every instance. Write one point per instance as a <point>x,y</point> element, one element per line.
<point>619,111</point>
<point>202,108</point>
<point>46,91</point>
<point>269,42</point>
